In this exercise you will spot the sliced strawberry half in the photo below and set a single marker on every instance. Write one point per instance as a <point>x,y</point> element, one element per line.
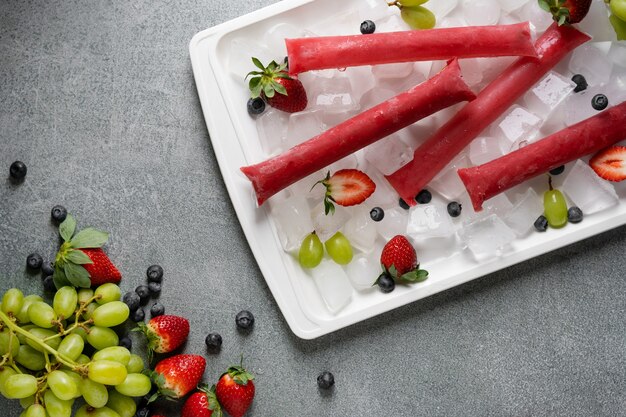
<point>610,163</point>
<point>346,187</point>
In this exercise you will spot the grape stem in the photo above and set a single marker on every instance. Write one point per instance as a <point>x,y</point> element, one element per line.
<point>81,309</point>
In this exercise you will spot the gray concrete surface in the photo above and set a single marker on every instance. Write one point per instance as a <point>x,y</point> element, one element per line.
<point>98,99</point>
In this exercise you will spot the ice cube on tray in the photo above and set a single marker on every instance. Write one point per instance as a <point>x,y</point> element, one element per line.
<point>361,230</point>
<point>363,271</point>
<point>293,221</point>
<point>486,236</point>
<point>332,284</point>
<point>590,61</point>
<point>587,190</point>
<point>481,12</point>
<point>429,221</point>
<point>522,215</point>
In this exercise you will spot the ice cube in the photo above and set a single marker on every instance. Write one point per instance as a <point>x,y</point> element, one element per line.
<point>327,225</point>
<point>275,38</point>
<point>293,221</point>
<point>511,5</point>
<point>472,71</point>
<point>240,55</point>
<point>373,10</point>
<point>451,22</point>
<point>523,214</point>
<point>413,78</point>
<point>617,53</point>
<point>393,23</point>
<point>486,236</point>
<point>447,182</point>
<point>308,188</point>
<point>272,129</point>
<point>481,12</point>
<point>498,204</point>
<point>303,126</point>
<point>363,271</point>
<point>578,107</point>
<point>493,67</point>
<point>394,223</point>
<point>333,95</point>
<point>518,123</point>
<point>333,285</point>
<point>397,70</point>
<point>388,154</point>
<point>441,8</point>
<point>361,80</point>
<point>548,94</point>
<point>617,87</point>
<point>345,22</point>
<point>384,195</point>
<point>484,149</point>
<point>596,23</point>
<point>539,18</point>
<point>591,62</point>
<point>374,97</point>
<point>588,191</point>
<point>428,221</point>
<point>361,230</point>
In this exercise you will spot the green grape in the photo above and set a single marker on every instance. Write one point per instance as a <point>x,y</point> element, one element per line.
<point>113,353</point>
<point>20,386</point>
<point>418,17</point>
<point>111,314</point>
<point>71,346</point>
<point>12,301</point>
<point>65,300</point>
<point>20,336</point>
<point>102,337</point>
<point>41,314</point>
<point>27,401</point>
<point>36,410</point>
<point>123,405</point>
<point>85,294</point>
<point>135,364</point>
<point>8,338</point>
<point>78,380</point>
<point>107,372</point>
<point>311,251</point>
<point>108,292</point>
<point>339,249</point>
<point>83,359</point>
<point>22,316</point>
<point>86,411</point>
<point>94,393</point>
<point>80,332</point>
<point>88,311</point>
<point>619,26</point>
<point>555,208</point>
<point>29,358</point>
<point>56,407</point>
<point>41,334</point>
<point>62,385</point>
<point>5,372</point>
<point>412,3</point>
<point>618,8</point>
<point>135,385</point>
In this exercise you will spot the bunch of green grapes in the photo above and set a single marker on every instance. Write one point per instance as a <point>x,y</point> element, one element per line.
<point>618,18</point>
<point>42,359</point>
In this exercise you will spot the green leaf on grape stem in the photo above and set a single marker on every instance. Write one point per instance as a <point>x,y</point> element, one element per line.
<point>89,238</point>
<point>67,228</point>
<point>78,257</point>
<point>77,275</point>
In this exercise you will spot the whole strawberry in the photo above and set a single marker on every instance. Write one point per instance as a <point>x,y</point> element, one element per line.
<point>566,11</point>
<point>178,375</point>
<point>80,261</point>
<point>235,391</point>
<point>399,260</point>
<point>202,403</point>
<point>165,333</point>
<point>276,87</point>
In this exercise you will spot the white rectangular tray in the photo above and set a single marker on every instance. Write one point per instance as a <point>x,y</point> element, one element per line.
<point>235,141</point>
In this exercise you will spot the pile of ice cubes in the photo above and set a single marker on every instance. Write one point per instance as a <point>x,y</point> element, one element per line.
<point>336,95</point>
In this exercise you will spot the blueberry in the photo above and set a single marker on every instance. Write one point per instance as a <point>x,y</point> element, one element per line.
<point>132,300</point>
<point>126,342</point>
<point>48,284</point>
<point>143,412</point>
<point>34,261</point>
<point>213,341</point>
<point>143,292</point>
<point>541,224</point>
<point>256,106</point>
<point>386,284</point>
<point>46,269</point>
<point>58,213</point>
<point>580,81</point>
<point>17,170</point>
<point>454,209</point>
<point>138,315</point>
<point>423,197</point>
<point>286,61</point>
<point>155,273</point>
<point>558,170</point>
<point>403,204</point>
<point>377,214</point>
<point>325,380</point>
<point>157,309</point>
<point>574,215</point>
<point>599,102</point>
<point>244,320</point>
<point>155,288</point>
<point>368,27</point>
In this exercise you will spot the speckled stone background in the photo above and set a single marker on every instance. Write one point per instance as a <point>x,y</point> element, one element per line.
<point>98,99</point>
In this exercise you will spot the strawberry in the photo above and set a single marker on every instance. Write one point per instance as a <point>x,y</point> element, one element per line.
<point>610,163</point>
<point>273,79</point>
<point>235,391</point>
<point>346,187</point>
<point>80,261</point>
<point>165,333</point>
<point>566,11</point>
<point>178,375</point>
<point>399,260</point>
<point>202,403</point>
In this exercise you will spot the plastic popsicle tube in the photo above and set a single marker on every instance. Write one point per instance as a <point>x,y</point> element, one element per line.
<point>315,53</point>
<point>589,136</point>
<point>447,142</point>
<point>441,91</point>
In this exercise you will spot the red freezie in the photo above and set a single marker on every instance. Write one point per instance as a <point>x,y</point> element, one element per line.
<point>441,91</point>
<point>437,152</point>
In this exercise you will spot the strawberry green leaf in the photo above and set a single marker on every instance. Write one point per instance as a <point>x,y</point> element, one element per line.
<point>562,19</point>
<point>393,272</point>
<point>254,83</point>
<point>272,66</point>
<point>417,275</point>
<point>329,207</point>
<point>89,238</point>
<point>268,90</point>
<point>279,88</point>
<point>258,63</point>
<point>67,228</point>
<point>544,5</point>
<point>78,257</point>
<point>77,275</point>
<point>59,279</point>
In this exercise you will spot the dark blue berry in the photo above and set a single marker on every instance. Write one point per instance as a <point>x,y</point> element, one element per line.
<point>132,300</point>
<point>580,81</point>
<point>154,273</point>
<point>143,292</point>
<point>143,412</point>
<point>558,170</point>
<point>599,102</point>
<point>368,27</point>
<point>213,341</point>
<point>58,213</point>
<point>541,224</point>
<point>48,284</point>
<point>386,284</point>
<point>574,215</point>
<point>155,288</point>
<point>403,204</point>
<point>244,319</point>
<point>377,214</point>
<point>454,209</point>
<point>34,261</point>
<point>46,269</point>
<point>423,197</point>
<point>157,309</point>
<point>126,342</point>
<point>325,380</point>
<point>256,106</point>
<point>138,315</point>
<point>17,170</point>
